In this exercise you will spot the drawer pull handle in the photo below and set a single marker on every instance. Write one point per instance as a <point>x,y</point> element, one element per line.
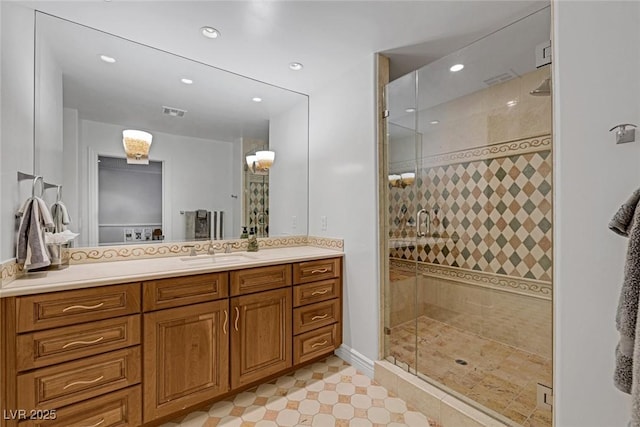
<point>237,317</point>
<point>324,316</point>
<point>98,423</point>
<point>83,382</point>
<point>224,325</point>
<point>97,340</point>
<point>318,344</point>
<point>322,292</point>
<point>84,307</point>
<point>320,270</point>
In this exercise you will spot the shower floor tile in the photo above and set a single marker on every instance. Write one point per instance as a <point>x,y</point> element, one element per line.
<point>497,376</point>
<point>326,394</point>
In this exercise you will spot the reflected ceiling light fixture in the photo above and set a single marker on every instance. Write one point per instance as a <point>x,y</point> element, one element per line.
<point>108,59</point>
<point>261,162</point>
<point>256,99</point>
<point>402,180</point>
<point>187,81</point>
<point>136,146</point>
<point>210,32</point>
<point>434,122</point>
<point>455,68</point>
<point>410,110</point>
<point>512,103</point>
<point>296,66</point>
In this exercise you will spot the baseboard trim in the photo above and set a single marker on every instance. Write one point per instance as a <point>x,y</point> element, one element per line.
<point>356,359</point>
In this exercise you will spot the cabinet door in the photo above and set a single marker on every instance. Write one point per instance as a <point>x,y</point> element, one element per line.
<point>186,357</point>
<point>261,336</point>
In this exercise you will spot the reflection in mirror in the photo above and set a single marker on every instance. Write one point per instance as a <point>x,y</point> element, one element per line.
<point>91,86</point>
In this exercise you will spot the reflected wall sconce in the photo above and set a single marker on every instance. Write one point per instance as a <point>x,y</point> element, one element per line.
<point>261,162</point>
<point>402,180</point>
<point>136,146</point>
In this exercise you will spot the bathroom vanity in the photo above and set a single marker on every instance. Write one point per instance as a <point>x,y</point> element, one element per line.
<point>159,339</point>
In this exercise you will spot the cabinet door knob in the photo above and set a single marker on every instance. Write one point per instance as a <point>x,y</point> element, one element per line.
<point>237,317</point>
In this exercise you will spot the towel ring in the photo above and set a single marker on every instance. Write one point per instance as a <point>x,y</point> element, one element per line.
<point>33,187</point>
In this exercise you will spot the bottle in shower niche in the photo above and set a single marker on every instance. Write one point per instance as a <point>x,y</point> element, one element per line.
<point>253,242</point>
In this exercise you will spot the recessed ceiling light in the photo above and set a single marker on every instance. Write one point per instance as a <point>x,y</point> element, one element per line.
<point>434,122</point>
<point>187,81</point>
<point>456,68</point>
<point>296,66</point>
<point>512,103</point>
<point>210,32</point>
<point>108,59</point>
<point>256,99</point>
<point>410,110</point>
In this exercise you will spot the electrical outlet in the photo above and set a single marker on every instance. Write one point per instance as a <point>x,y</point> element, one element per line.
<point>545,396</point>
<point>323,223</point>
<point>294,222</point>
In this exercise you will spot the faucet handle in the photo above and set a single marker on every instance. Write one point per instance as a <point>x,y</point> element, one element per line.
<point>211,250</point>
<point>193,249</point>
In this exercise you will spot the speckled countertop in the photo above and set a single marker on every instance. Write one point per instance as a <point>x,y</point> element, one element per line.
<point>109,273</point>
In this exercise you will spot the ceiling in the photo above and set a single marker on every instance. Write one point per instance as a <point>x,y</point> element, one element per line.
<point>260,38</point>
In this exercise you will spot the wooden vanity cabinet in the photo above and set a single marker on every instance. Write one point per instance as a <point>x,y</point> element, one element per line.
<point>139,354</point>
<point>186,342</point>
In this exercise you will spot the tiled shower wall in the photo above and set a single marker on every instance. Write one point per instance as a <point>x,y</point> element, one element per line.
<point>486,180</point>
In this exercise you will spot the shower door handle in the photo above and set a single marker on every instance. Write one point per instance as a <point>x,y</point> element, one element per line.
<point>420,233</point>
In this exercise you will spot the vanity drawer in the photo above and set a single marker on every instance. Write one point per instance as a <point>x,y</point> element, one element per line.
<point>316,292</point>
<point>315,343</point>
<point>56,309</point>
<point>314,316</point>
<point>43,348</point>
<point>117,409</point>
<point>260,279</point>
<point>175,292</point>
<point>311,271</point>
<point>60,385</point>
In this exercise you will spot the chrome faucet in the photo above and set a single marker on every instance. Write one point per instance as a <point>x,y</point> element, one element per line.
<point>193,249</point>
<point>227,247</point>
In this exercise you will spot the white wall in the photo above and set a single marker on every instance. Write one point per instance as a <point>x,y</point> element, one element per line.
<point>198,173</point>
<point>288,178</point>
<point>16,111</point>
<point>596,85</point>
<point>343,187</point>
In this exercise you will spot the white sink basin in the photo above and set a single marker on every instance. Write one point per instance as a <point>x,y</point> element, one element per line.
<point>217,259</point>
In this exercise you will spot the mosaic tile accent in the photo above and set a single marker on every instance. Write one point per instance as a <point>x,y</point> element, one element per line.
<point>529,287</point>
<point>490,214</point>
<point>158,250</point>
<point>327,393</point>
<point>326,242</point>
<point>10,270</point>
<point>497,376</point>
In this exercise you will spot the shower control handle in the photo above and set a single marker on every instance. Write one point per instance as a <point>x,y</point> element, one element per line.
<point>421,233</point>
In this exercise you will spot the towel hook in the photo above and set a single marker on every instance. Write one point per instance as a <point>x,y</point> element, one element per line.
<point>623,134</point>
<point>59,194</point>
<point>35,182</point>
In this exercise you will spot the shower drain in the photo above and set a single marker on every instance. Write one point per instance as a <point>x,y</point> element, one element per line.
<point>461,361</point>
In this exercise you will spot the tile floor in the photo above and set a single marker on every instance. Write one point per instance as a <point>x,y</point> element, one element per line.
<point>326,394</point>
<point>498,376</point>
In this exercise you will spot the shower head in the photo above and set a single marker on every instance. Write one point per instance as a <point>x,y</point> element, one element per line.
<point>543,89</point>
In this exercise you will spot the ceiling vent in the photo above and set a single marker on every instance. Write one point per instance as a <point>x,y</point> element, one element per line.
<point>501,78</point>
<point>173,112</point>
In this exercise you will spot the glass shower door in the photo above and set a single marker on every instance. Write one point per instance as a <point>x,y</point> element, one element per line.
<point>405,214</point>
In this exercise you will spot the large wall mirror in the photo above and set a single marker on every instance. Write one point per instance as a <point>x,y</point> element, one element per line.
<point>204,123</point>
